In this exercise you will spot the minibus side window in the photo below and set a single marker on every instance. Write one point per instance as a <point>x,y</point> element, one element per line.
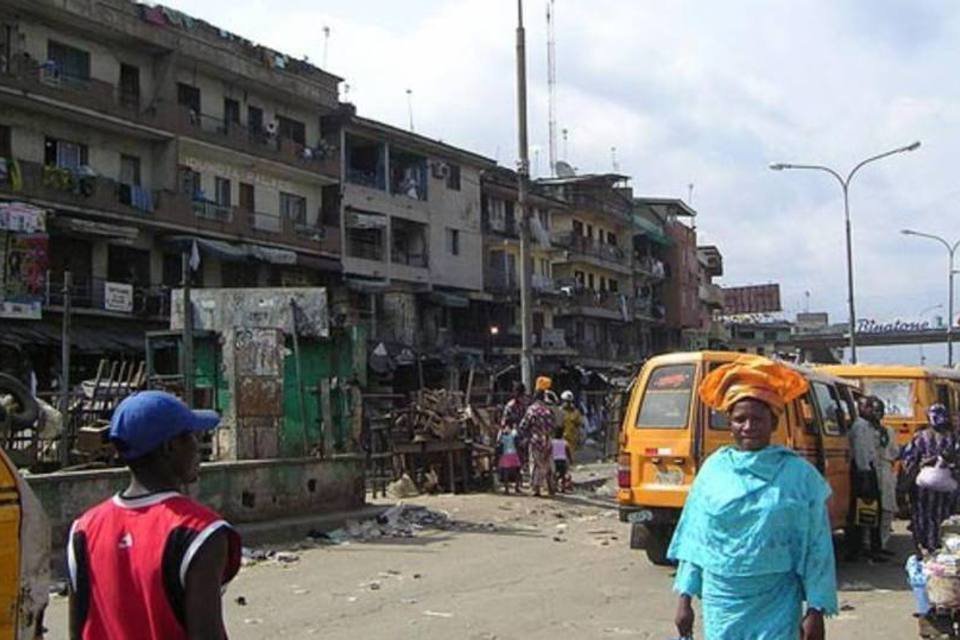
<point>831,412</point>
<point>943,397</point>
<point>666,399</point>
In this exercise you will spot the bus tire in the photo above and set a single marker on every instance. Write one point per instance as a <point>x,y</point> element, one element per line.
<point>28,411</point>
<point>658,541</point>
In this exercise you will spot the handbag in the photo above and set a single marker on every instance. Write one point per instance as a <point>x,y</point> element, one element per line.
<point>937,478</point>
<point>867,513</point>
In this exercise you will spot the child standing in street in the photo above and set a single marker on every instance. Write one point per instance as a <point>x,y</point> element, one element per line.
<point>561,460</point>
<point>509,460</point>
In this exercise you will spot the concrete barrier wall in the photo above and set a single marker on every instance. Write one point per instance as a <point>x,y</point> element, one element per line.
<point>242,491</point>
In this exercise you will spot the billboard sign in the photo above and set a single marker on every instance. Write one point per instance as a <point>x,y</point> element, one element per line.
<point>763,298</point>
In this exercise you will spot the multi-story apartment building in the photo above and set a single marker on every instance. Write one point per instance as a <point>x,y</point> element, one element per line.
<point>139,134</point>
<point>411,224</point>
<point>594,270</point>
<point>501,271</point>
<point>713,331</point>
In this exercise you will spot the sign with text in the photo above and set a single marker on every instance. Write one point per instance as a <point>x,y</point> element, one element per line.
<point>118,297</point>
<point>897,326</point>
<point>29,310</point>
<point>763,298</point>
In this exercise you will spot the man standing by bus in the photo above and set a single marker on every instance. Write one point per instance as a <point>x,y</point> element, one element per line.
<point>864,446</point>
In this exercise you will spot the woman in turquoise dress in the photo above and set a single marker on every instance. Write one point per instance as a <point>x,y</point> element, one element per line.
<point>754,542</point>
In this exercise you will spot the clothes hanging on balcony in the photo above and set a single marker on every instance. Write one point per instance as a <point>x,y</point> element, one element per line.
<point>153,15</point>
<point>141,198</point>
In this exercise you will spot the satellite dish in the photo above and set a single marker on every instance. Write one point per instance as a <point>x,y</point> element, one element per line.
<point>564,170</point>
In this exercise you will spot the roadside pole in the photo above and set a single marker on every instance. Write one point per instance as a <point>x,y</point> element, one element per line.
<point>523,176</point>
<point>186,365</point>
<point>65,372</point>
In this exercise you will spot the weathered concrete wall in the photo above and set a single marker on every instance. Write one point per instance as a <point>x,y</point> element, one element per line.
<point>244,491</point>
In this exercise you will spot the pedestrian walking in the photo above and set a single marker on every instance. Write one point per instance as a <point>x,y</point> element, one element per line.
<point>561,460</point>
<point>888,453</point>
<point>572,421</point>
<point>508,459</point>
<point>150,562</point>
<point>513,412</point>
<point>754,541</point>
<point>539,423</point>
<point>865,485</point>
<point>934,447</point>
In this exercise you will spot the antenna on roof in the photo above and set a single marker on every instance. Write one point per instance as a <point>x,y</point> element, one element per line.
<point>410,107</point>
<point>326,42</point>
<point>552,86</point>
<point>613,159</point>
<point>566,154</point>
<point>690,194</point>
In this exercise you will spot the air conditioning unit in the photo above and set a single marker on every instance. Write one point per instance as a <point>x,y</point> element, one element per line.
<point>441,170</point>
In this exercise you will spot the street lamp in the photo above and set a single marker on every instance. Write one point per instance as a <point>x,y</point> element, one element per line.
<point>845,185</point>
<point>951,250</point>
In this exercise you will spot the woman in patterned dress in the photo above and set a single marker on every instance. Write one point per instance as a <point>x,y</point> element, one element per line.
<point>754,541</point>
<point>538,424</point>
<point>928,508</point>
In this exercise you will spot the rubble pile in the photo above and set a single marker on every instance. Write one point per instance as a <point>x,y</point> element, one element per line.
<point>399,521</point>
<point>441,414</point>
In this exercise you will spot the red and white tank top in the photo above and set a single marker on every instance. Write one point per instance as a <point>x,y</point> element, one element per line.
<point>128,562</point>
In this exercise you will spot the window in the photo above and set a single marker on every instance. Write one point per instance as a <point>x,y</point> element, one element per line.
<point>255,119</point>
<point>5,146</point>
<point>293,207</point>
<point>590,231</point>
<point>292,130</point>
<point>365,162</point>
<point>544,217</point>
<point>590,281</point>
<point>613,285</point>
<point>897,395</point>
<point>222,192</point>
<point>128,265</point>
<point>231,112</point>
<point>580,278</point>
<point>189,181</point>
<point>72,63</point>
<point>943,397</point>
<point>188,96</point>
<point>453,177</point>
<point>611,238</point>
<point>246,197</point>
<point>453,242</point>
<point>130,85</point>
<point>64,154</point>
<point>577,228</point>
<point>831,411</point>
<point>129,170</point>
<point>330,207</point>
<point>666,399</point>
<point>603,283</point>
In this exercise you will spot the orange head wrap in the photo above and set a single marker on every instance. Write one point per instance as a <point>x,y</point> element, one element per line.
<point>543,383</point>
<point>752,377</point>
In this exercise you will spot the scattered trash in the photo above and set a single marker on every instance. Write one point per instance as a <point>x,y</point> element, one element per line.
<point>437,614</point>
<point>374,586</point>
<point>399,521</point>
<point>846,606</point>
<point>402,488</point>
<point>254,555</point>
<point>286,557</point>
<point>416,576</point>
<point>253,621</point>
<point>409,601</point>
<point>855,586</point>
<point>240,600</point>
<point>59,588</point>
<point>301,592</point>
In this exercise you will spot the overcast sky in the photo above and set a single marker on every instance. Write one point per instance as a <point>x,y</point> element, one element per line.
<point>707,93</point>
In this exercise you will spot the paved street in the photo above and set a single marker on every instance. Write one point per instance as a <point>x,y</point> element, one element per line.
<point>549,569</point>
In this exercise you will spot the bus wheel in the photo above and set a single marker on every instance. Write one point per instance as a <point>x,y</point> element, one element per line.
<point>638,536</point>
<point>658,541</point>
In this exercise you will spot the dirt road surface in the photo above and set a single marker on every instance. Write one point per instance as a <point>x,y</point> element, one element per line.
<point>516,567</point>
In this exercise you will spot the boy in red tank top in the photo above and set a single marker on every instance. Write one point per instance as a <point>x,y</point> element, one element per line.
<point>150,562</point>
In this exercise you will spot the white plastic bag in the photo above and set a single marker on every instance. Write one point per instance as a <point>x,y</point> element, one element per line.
<point>937,478</point>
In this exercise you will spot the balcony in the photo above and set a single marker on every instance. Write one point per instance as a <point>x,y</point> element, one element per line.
<point>606,254</point>
<point>609,351</point>
<point>711,295</point>
<point>649,267</point>
<point>507,227</point>
<point>508,282</point>
<point>598,304</point>
<point>649,309</point>
<point>322,159</point>
<point>88,294</point>
<point>101,196</point>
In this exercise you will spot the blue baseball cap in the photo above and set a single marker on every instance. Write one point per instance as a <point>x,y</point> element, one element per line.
<point>145,420</point>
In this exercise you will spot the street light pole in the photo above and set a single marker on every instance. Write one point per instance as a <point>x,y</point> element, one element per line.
<point>523,176</point>
<point>845,186</point>
<point>951,252</point>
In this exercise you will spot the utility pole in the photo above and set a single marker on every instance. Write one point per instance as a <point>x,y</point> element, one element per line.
<point>523,176</point>
<point>552,88</point>
<point>186,365</point>
<point>65,372</point>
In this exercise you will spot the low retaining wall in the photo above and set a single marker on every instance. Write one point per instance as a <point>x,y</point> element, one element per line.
<point>242,491</point>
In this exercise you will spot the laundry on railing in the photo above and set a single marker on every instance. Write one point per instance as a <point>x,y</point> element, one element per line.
<point>10,173</point>
<point>141,198</point>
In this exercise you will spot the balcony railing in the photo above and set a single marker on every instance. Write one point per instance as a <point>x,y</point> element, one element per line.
<point>650,267</point>
<point>102,294</point>
<point>322,158</point>
<point>711,295</point>
<point>590,247</point>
